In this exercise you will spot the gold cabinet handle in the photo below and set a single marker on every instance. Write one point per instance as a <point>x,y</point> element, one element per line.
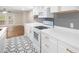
<point>70,51</point>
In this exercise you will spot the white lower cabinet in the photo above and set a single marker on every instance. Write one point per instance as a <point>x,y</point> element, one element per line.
<point>2,42</point>
<point>49,44</point>
<point>66,48</point>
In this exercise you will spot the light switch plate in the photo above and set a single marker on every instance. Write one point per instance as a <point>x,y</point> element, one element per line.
<point>71,25</point>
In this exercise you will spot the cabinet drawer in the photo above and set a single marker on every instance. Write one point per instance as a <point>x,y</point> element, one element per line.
<point>49,43</point>
<point>47,38</point>
<point>66,48</point>
<point>49,48</point>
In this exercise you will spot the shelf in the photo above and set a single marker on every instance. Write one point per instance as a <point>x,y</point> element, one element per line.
<point>67,12</point>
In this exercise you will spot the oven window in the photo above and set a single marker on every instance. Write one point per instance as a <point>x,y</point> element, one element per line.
<point>36,36</point>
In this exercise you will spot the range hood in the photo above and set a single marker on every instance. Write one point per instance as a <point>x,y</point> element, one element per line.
<point>45,14</point>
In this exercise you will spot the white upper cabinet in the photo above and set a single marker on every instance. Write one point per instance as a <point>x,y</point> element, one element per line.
<point>54,9</point>
<point>44,12</point>
<point>36,10</point>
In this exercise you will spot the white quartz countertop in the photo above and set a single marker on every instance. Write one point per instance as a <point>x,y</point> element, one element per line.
<point>2,31</point>
<point>36,24</point>
<point>70,36</point>
<point>33,24</point>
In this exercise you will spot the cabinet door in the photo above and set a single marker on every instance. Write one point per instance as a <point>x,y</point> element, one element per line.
<point>66,48</point>
<point>44,12</point>
<point>54,9</point>
<point>36,10</point>
<point>49,44</point>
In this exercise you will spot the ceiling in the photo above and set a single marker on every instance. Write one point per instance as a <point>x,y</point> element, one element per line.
<point>16,8</point>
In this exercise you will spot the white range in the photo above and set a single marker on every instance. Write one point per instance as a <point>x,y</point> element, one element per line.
<point>33,31</point>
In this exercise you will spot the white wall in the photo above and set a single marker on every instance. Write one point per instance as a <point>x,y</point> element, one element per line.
<point>28,17</point>
<point>20,17</point>
<point>24,17</point>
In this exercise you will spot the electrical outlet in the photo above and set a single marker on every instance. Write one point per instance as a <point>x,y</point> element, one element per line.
<point>71,25</point>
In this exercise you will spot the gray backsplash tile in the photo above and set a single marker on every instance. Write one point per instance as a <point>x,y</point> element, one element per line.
<point>65,20</point>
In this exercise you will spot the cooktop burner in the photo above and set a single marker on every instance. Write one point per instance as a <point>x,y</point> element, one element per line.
<point>41,27</point>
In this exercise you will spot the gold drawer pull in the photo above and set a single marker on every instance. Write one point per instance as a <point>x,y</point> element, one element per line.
<point>70,51</point>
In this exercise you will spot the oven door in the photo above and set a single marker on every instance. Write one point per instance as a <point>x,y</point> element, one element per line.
<point>36,39</point>
<point>36,36</point>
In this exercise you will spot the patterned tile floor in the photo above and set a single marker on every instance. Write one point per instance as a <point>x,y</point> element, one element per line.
<point>21,44</point>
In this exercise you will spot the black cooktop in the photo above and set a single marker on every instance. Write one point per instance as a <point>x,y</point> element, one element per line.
<point>41,27</point>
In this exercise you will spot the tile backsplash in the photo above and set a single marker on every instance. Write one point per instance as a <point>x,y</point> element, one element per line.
<point>70,20</point>
<point>47,21</point>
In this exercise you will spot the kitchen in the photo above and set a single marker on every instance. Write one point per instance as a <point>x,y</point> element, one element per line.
<point>39,29</point>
